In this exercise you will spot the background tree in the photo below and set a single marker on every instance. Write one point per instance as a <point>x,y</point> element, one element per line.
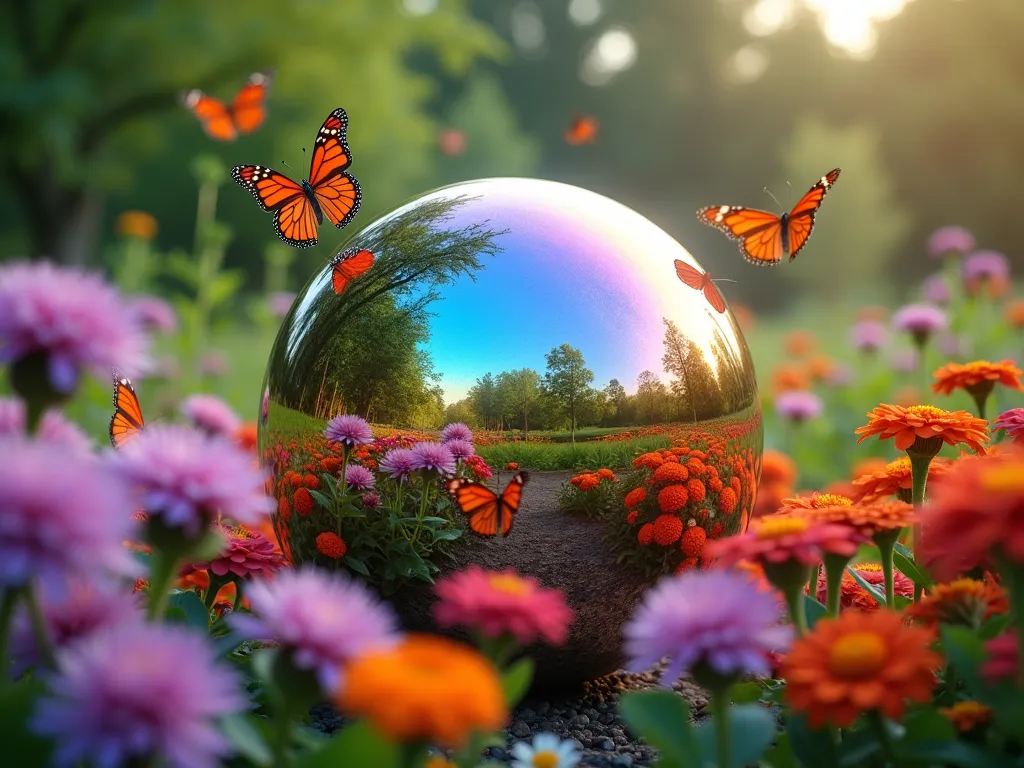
<point>567,381</point>
<point>653,401</point>
<point>618,403</point>
<point>520,390</point>
<point>695,386</point>
<point>486,401</point>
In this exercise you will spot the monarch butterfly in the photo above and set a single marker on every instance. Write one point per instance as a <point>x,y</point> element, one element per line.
<point>348,266</point>
<point>764,237</point>
<point>127,420</point>
<point>700,281</point>
<point>299,208</point>
<point>244,115</point>
<point>489,513</point>
<point>582,130</point>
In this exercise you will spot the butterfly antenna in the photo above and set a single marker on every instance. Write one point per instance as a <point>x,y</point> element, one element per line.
<point>722,280</point>
<point>773,197</point>
<point>287,166</point>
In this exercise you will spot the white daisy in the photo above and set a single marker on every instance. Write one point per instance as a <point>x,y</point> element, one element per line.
<point>547,751</point>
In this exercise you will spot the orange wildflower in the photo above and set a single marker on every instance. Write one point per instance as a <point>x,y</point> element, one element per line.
<point>853,595</point>
<point>867,467</point>
<point>1015,313</point>
<point>512,466</point>
<point>784,539</point>
<point>330,544</point>
<point>978,379</point>
<point>670,472</point>
<point>646,534</point>
<point>426,688</point>
<point>634,497</point>
<point>856,663</point>
<point>672,498</point>
<point>967,715</point>
<point>821,367</point>
<point>964,602</point>
<point>799,343</point>
<point>921,429</point>
<point>667,530</point>
<point>138,224</point>
<point>815,501</point>
<point>788,377</point>
<point>692,542</point>
<point>894,479</point>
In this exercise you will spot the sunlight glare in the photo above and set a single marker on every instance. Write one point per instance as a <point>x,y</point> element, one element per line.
<point>747,64</point>
<point>527,25</point>
<point>583,13</point>
<point>613,52</point>
<point>851,24</point>
<point>420,7</point>
<point>766,17</point>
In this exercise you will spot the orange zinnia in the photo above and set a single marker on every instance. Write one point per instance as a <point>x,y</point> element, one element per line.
<point>777,467</point>
<point>859,662</point>
<point>814,501</point>
<point>1015,313</point>
<point>869,519</point>
<point>978,379</point>
<point>921,429</point>
<point>426,688</point>
<point>964,602</point>
<point>787,377</point>
<point>967,715</point>
<point>894,479</point>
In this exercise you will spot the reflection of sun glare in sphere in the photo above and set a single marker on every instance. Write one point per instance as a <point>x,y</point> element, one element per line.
<point>613,52</point>
<point>584,12</point>
<point>420,7</point>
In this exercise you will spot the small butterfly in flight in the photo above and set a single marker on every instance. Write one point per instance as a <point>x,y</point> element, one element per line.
<point>488,513</point>
<point>700,281</point>
<point>245,114</point>
<point>349,265</point>
<point>127,420</point>
<point>765,238</point>
<point>582,130</point>
<point>299,208</point>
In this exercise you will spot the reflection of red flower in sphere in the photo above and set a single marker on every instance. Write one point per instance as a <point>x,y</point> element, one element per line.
<point>634,497</point>
<point>606,473</point>
<point>670,472</point>
<point>284,509</point>
<point>695,490</point>
<point>331,545</point>
<point>302,501</point>
<point>667,529</point>
<point>646,534</point>
<point>631,518</point>
<point>692,544</point>
<point>727,501</point>
<point>672,498</point>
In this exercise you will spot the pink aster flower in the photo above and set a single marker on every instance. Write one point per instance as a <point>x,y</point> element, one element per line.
<point>132,694</point>
<point>986,265</point>
<point>920,321</point>
<point>154,314</point>
<point>349,430</point>
<point>371,499</point>
<point>247,553</point>
<point>211,414</point>
<point>265,406</point>
<point>868,336</point>
<point>432,457</point>
<point>935,290</point>
<point>54,427</point>
<point>62,515</point>
<point>359,477</point>
<point>322,619</point>
<point>280,303</point>
<point>460,449</point>
<point>1011,422</point>
<point>75,319</point>
<point>777,539</point>
<point>798,405</point>
<point>456,431</point>
<point>497,604</point>
<point>714,618</point>
<point>950,240</point>
<point>398,463</point>
<point>186,478</point>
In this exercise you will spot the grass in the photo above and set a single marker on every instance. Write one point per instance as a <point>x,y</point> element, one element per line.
<point>586,455</point>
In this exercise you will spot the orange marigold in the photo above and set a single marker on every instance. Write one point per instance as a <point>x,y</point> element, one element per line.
<point>788,377</point>
<point>426,688</point>
<point>331,545</point>
<point>695,465</point>
<point>965,602</point>
<point>631,518</point>
<point>670,472</point>
<point>606,473</point>
<point>894,479</point>
<point>967,715</point>
<point>856,663</point>
<point>646,534</point>
<point>311,481</point>
<point>302,501</point>
<point>715,484</point>
<point>634,497</point>
<point>589,482</point>
<point>672,498</point>
<point>727,501</point>
<point>512,466</point>
<point>695,490</point>
<point>284,509</point>
<point>651,460</point>
<point>921,429</point>
<point>688,564</point>
<point>667,529</point>
<point>692,542</point>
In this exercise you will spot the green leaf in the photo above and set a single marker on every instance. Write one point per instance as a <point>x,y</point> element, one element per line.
<point>903,549</point>
<point>228,643</point>
<point>964,651</point>
<point>751,730</point>
<point>357,565</point>
<point>247,739</point>
<point>322,500</point>
<point>20,745</point>
<point>663,719</point>
<point>435,520</point>
<point>813,610</point>
<point>224,286</point>
<point>952,753</point>
<point>745,693</point>
<point>449,535</point>
<point>994,626</point>
<point>356,745</point>
<point>181,267</point>
<point>780,755</point>
<point>187,608</point>
<point>516,680</point>
<point>812,748</point>
<point>909,569</point>
<point>868,587</point>
<point>928,725</point>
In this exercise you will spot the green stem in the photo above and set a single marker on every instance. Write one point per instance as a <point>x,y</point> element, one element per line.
<point>720,697</point>
<point>833,590</point>
<point>1013,580</point>
<point>135,270</point>
<point>35,614</point>
<point>882,733</point>
<point>7,604</point>
<point>797,611</point>
<point>919,481</point>
<point>344,483</point>
<point>422,512</point>
<point>161,576</point>
<point>281,737</point>
<point>885,551</point>
<point>34,410</point>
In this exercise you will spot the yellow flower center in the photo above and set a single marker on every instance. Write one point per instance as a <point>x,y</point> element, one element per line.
<point>927,411</point>
<point>1003,479</point>
<point>899,467</point>
<point>858,654</point>
<point>545,759</point>
<point>869,567</point>
<point>777,527</point>
<point>832,500</point>
<point>505,582</point>
<point>241,532</point>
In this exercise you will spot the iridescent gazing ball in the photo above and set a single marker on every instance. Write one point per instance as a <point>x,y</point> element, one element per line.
<point>552,322</point>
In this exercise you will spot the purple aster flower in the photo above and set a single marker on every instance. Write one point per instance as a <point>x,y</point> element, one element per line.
<point>280,303</point>
<point>1011,422</point>
<point>371,499</point>
<point>798,405</point>
<point>187,478</point>
<point>214,364</point>
<point>398,462</point>
<point>73,613</point>
<point>460,449</point>
<point>920,321</point>
<point>130,694</point>
<point>456,431</point>
<point>950,240</point>
<point>904,360</point>
<point>986,265</point>
<point>349,430</point>
<point>717,618</point>
<point>62,515</point>
<point>154,314</point>
<point>324,619</point>
<point>211,414</point>
<point>868,336</point>
<point>432,457</point>
<point>359,477</point>
<point>76,319</point>
<point>935,290</point>
<point>54,427</point>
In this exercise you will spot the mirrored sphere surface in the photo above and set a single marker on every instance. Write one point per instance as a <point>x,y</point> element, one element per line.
<point>552,321</point>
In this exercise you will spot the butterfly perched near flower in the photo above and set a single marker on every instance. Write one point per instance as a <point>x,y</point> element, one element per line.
<point>488,513</point>
<point>765,238</point>
<point>244,114</point>
<point>299,208</point>
<point>127,420</point>
<point>349,265</point>
<point>582,130</point>
<point>700,281</point>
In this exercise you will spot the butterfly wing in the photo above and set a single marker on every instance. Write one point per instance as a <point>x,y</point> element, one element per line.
<point>509,501</point>
<point>127,420</point>
<point>348,266</point>
<point>690,275</point>
<point>212,114</point>
<point>759,233</point>
<point>294,217</point>
<point>248,109</point>
<point>337,191</point>
<point>478,502</point>
<point>801,218</point>
<point>714,297</point>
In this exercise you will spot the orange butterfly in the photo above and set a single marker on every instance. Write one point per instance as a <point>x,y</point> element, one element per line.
<point>299,208</point>
<point>127,420</point>
<point>244,115</point>
<point>582,130</point>
<point>764,237</point>
<point>348,266</point>
<point>489,514</point>
<point>700,281</point>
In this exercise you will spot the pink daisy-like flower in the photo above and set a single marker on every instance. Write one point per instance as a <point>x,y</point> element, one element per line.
<point>349,430</point>
<point>432,457</point>
<point>371,499</point>
<point>716,618</point>
<point>246,553</point>
<point>62,515</point>
<point>920,321</point>
<point>1011,422</point>
<point>211,414</point>
<point>186,477</point>
<point>75,319</point>
<point>775,539</point>
<point>502,603</point>
<point>323,619</point>
<point>950,240</point>
<point>868,336</point>
<point>461,449</point>
<point>154,314</point>
<point>986,265</point>
<point>935,290</point>
<point>359,477</point>
<point>398,463</point>
<point>798,405</point>
<point>456,431</point>
<point>131,694</point>
<point>280,303</point>
<point>54,427</point>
